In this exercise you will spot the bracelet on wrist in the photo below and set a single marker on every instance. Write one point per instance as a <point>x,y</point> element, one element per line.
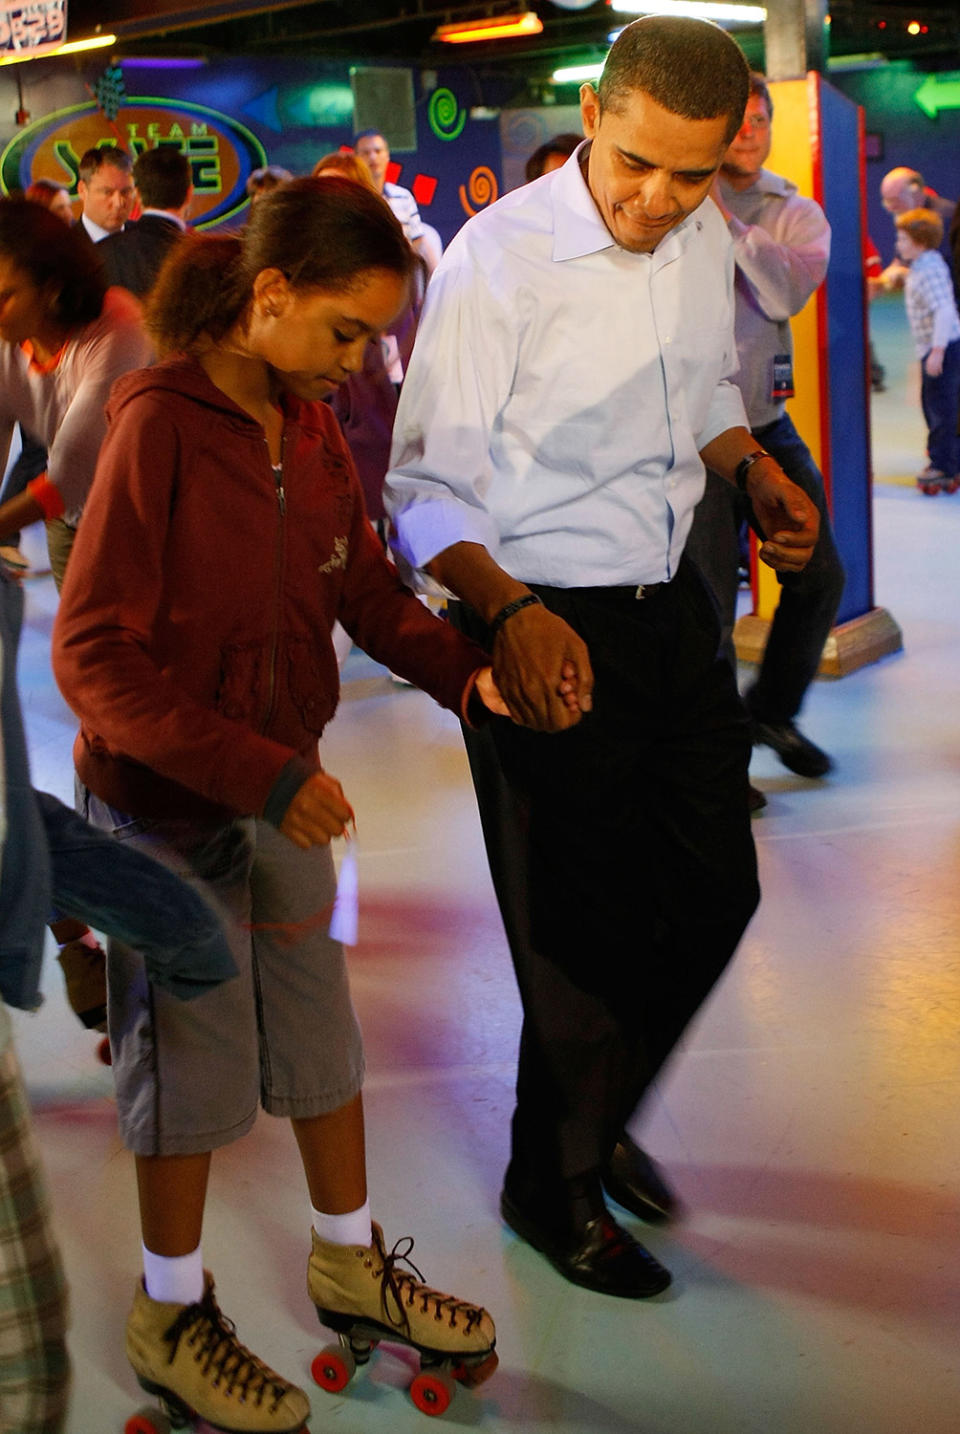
<point>746,463</point>
<point>496,622</point>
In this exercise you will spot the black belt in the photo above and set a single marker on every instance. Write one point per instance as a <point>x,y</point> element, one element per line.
<point>622,595</point>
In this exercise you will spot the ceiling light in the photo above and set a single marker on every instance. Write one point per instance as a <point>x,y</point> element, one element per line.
<point>494,28</point>
<point>576,74</point>
<point>693,9</point>
<point>72,47</point>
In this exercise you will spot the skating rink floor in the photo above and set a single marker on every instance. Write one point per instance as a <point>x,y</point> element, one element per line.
<point>811,1122</point>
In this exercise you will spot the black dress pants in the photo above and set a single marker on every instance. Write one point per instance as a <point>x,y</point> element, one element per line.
<point>623,863</point>
<point>808,600</point>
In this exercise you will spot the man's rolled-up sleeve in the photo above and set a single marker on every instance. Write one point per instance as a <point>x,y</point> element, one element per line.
<point>456,385</point>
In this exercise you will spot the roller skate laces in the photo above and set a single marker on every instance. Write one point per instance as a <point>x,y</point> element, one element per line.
<point>365,1282</point>
<point>190,1356</point>
<point>363,1295</point>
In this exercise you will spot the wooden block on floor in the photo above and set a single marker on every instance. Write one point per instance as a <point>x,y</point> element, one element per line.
<point>851,645</point>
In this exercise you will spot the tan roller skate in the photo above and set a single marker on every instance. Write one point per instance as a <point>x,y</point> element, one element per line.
<point>190,1358</point>
<point>362,1295</point>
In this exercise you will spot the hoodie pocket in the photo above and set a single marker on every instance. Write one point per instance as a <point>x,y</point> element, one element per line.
<point>313,681</point>
<point>243,693</point>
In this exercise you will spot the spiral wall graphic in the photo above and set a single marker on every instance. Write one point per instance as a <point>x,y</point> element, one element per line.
<point>481,190</point>
<point>446,117</point>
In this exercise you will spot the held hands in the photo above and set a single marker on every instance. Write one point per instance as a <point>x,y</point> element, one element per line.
<point>787,517</point>
<point>318,812</point>
<point>489,693</point>
<point>542,670</point>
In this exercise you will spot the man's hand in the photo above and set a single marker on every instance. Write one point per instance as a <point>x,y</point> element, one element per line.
<point>540,666</point>
<point>893,276</point>
<point>787,518</point>
<point>543,671</point>
<point>318,812</point>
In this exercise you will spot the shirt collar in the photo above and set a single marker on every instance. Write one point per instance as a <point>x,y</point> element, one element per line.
<point>95,231</point>
<point>766,182</point>
<point>164,214</point>
<point>578,228</point>
<point>48,365</point>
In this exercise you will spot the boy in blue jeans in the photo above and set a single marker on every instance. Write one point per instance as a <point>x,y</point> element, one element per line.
<point>935,325</point>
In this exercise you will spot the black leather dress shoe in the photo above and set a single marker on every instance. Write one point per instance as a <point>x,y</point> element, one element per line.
<point>598,1254</point>
<point>795,750</point>
<point>636,1182</point>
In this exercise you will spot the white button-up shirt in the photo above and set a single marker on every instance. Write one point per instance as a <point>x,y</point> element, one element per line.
<point>560,389</point>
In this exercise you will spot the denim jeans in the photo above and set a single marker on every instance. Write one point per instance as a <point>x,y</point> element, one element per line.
<point>808,600</point>
<point>940,400</point>
<point>120,891</point>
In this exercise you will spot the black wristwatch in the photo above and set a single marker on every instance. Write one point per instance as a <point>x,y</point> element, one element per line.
<point>745,464</point>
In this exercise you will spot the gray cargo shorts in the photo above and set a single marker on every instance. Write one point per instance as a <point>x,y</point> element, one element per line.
<point>282,1034</point>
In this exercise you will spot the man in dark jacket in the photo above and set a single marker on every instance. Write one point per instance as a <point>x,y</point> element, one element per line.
<point>134,255</point>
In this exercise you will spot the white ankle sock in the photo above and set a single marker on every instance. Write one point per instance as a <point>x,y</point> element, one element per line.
<point>351,1229</point>
<point>173,1279</point>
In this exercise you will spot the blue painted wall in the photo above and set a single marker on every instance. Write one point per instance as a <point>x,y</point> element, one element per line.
<point>299,110</point>
<point>848,430</point>
<point>893,98</point>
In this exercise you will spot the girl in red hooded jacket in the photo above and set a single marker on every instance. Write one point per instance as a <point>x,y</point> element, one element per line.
<point>224,535</point>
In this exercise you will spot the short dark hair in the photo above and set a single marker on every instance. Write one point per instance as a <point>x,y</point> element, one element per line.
<point>163,176</point>
<point>562,144</point>
<point>51,252</point>
<point>321,233</point>
<point>261,181</point>
<point>93,159</point>
<point>369,134</point>
<point>690,67</point>
<point>924,226</point>
<point>760,88</point>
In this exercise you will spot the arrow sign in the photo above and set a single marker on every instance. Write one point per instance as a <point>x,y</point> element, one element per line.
<point>314,106</point>
<point>939,92</point>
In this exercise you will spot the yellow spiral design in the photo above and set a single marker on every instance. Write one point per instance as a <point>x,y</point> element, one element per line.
<point>481,190</point>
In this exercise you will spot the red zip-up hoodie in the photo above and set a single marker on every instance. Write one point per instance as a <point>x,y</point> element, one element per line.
<point>193,633</point>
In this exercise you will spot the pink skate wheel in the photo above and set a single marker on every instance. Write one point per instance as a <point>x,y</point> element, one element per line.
<point>432,1391</point>
<point>333,1368</point>
<point>103,1053</point>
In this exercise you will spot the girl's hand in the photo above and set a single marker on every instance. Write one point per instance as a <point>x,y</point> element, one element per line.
<point>317,813</point>
<point>489,693</point>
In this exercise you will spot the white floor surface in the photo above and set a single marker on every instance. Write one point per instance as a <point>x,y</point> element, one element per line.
<point>812,1122</point>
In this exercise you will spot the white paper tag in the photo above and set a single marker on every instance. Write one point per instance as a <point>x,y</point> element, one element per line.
<point>343,922</point>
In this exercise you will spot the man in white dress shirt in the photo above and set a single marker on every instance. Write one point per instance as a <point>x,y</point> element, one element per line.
<point>571,377</point>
